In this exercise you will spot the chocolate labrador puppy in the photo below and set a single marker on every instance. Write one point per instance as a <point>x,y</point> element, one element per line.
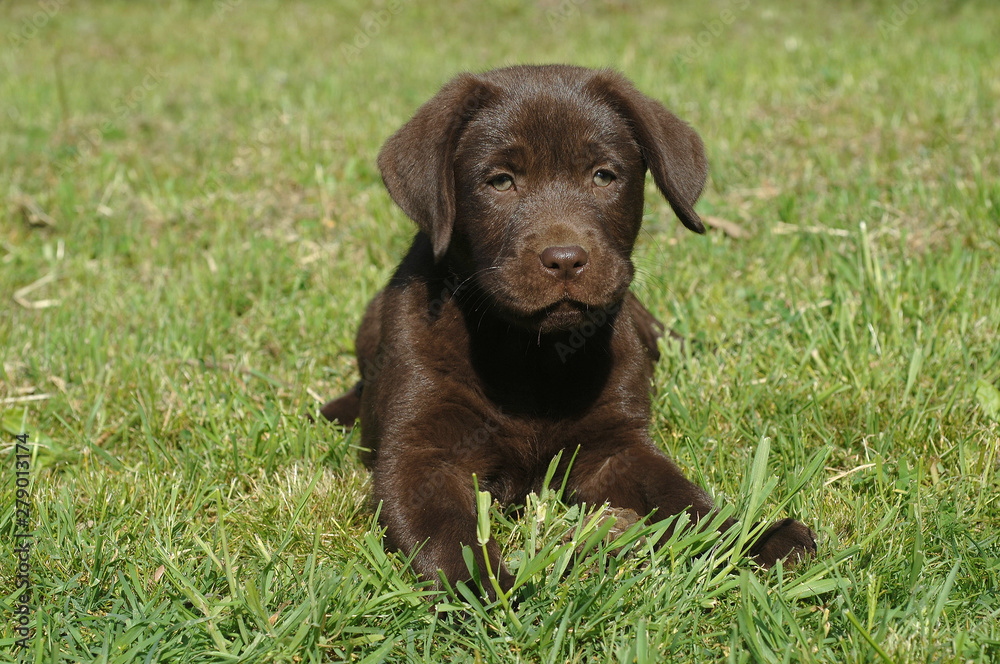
<point>508,333</point>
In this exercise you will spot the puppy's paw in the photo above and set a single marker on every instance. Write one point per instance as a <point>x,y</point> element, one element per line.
<point>788,540</point>
<point>343,410</point>
<point>622,518</point>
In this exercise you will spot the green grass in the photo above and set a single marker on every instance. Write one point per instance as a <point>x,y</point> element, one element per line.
<point>191,189</point>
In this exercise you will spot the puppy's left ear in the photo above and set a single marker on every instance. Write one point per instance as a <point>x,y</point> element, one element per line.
<point>418,161</point>
<point>673,152</point>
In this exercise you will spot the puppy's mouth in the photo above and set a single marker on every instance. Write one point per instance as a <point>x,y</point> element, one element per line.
<point>567,315</point>
<point>563,315</point>
<point>563,309</point>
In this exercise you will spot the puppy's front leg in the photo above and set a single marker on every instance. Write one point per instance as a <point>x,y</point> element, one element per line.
<point>428,505</point>
<point>637,476</point>
<point>640,477</point>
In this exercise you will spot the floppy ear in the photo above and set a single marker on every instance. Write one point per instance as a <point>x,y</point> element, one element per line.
<point>417,162</point>
<point>672,150</point>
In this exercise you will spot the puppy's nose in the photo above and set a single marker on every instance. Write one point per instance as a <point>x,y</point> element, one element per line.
<point>564,262</point>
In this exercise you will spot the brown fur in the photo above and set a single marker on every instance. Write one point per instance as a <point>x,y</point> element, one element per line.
<point>508,334</point>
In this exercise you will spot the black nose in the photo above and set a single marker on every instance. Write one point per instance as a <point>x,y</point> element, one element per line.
<point>564,262</point>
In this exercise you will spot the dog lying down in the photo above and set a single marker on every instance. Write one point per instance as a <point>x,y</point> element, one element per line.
<point>508,333</point>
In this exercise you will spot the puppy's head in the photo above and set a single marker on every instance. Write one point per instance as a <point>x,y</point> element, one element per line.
<point>530,180</point>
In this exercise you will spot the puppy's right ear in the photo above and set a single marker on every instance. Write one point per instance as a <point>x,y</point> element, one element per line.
<point>417,162</point>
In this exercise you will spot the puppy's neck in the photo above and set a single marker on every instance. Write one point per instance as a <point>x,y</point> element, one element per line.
<point>523,370</point>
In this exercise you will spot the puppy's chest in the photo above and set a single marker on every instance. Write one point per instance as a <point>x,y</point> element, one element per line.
<point>522,454</point>
<point>517,371</point>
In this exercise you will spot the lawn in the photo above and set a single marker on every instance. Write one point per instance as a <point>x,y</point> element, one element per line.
<point>191,223</point>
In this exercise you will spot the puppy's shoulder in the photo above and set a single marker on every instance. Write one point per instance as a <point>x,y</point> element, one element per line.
<point>417,266</point>
<point>421,291</point>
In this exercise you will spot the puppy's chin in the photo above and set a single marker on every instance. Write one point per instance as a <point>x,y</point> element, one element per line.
<point>565,316</point>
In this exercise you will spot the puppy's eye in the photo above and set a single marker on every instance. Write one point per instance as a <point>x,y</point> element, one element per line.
<point>502,182</point>
<point>603,178</point>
